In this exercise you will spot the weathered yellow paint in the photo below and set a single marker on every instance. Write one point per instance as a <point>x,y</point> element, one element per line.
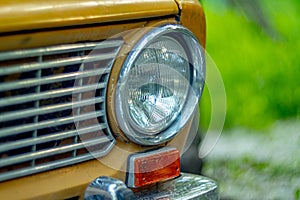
<point>179,142</point>
<point>192,16</point>
<point>63,36</point>
<point>36,14</point>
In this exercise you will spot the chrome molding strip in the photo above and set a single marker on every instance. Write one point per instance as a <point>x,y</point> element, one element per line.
<point>185,187</point>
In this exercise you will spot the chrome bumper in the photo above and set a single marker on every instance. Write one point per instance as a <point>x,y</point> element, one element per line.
<point>186,186</point>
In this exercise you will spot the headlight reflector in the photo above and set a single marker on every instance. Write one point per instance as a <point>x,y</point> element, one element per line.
<point>159,85</point>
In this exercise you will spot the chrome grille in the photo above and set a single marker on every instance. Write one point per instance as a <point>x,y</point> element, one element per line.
<point>52,106</point>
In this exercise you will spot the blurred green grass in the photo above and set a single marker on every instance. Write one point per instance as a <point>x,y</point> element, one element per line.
<point>261,73</point>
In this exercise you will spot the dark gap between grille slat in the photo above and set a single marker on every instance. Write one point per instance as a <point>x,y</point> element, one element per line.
<point>18,151</point>
<point>18,61</point>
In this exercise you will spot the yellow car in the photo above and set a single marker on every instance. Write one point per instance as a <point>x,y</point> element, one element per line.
<point>98,97</point>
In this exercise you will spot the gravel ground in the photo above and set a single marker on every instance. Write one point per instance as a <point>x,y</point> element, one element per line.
<point>257,165</point>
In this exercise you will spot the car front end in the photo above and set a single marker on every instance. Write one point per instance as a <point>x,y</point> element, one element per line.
<point>98,99</point>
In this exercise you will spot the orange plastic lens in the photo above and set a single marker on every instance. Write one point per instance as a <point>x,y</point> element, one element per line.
<point>157,167</point>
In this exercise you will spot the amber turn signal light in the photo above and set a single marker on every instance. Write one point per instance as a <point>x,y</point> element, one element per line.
<point>152,166</point>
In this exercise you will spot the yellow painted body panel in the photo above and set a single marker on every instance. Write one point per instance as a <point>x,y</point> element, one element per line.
<point>36,14</point>
<point>63,36</point>
<point>192,17</point>
<point>33,23</point>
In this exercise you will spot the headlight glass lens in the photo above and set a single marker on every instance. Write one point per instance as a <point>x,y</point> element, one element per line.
<point>159,85</point>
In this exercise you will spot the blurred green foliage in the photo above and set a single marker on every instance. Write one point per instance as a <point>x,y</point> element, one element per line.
<point>260,68</point>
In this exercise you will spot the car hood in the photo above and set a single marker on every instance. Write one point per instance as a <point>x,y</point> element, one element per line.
<point>23,15</point>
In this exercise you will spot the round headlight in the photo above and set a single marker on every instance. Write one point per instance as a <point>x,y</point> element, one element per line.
<point>159,85</point>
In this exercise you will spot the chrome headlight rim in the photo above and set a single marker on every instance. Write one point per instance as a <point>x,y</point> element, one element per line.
<point>196,82</point>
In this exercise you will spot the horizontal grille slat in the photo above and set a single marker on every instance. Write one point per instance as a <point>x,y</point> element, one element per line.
<point>52,79</point>
<point>45,124</point>
<point>59,49</point>
<point>50,152</point>
<point>48,109</point>
<point>49,94</point>
<point>53,106</point>
<point>55,63</point>
<point>51,165</point>
<point>48,138</point>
